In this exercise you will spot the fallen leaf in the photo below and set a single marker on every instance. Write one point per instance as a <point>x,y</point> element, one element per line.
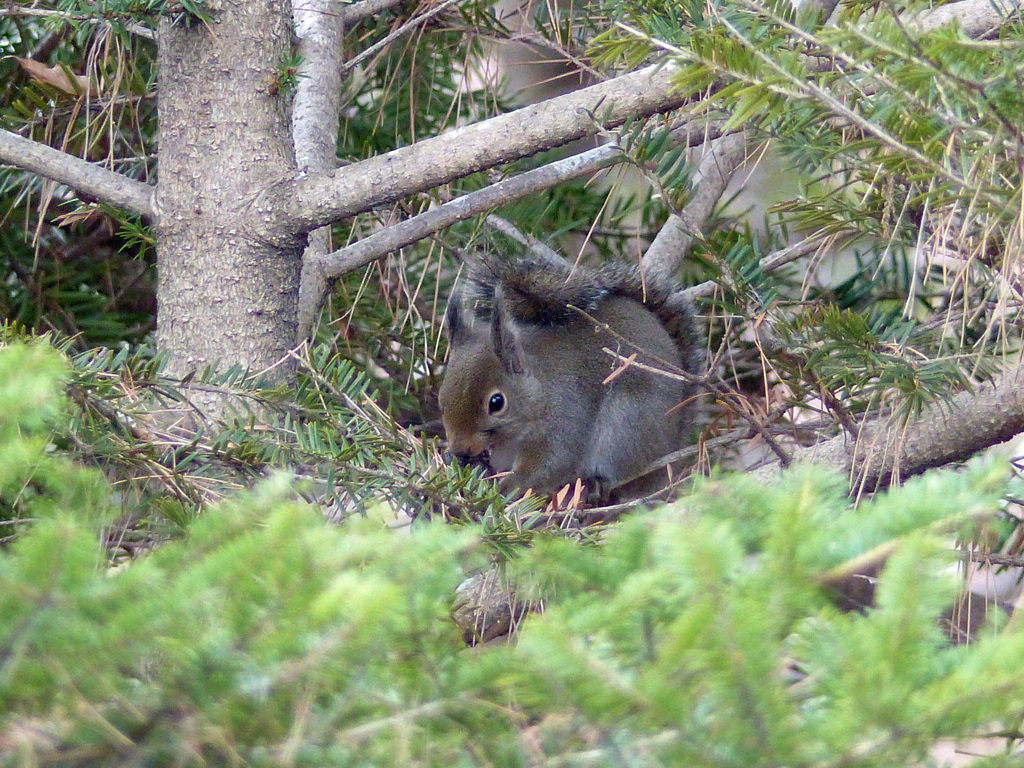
<point>561,502</point>
<point>57,76</point>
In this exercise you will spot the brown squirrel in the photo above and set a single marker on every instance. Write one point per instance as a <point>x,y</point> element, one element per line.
<point>529,390</point>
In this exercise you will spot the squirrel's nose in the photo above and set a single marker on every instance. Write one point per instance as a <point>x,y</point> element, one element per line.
<point>470,460</point>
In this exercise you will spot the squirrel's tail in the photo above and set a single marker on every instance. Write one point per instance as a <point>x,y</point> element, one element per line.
<point>536,292</point>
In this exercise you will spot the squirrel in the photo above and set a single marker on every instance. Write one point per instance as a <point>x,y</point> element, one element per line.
<point>530,393</point>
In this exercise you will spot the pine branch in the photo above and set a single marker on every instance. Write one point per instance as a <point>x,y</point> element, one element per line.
<point>507,191</point>
<point>949,431</point>
<point>315,201</point>
<point>85,177</point>
<point>819,241</point>
<point>356,12</point>
<point>321,199</point>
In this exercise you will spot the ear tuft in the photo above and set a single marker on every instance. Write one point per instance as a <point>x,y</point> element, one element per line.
<point>454,319</point>
<point>503,336</point>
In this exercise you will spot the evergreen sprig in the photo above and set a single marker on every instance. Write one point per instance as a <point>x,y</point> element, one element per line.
<point>704,635</point>
<point>148,433</point>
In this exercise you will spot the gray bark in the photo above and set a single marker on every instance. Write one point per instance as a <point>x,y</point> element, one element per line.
<point>311,202</point>
<point>975,17</point>
<point>224,290</point>
<point>315,115</point>
<point>947,431</point>
<point>673,243</point>
<point>88,178</point>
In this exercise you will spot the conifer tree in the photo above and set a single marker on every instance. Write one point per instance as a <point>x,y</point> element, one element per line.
<point>875,297</point>
<point>318,173</point>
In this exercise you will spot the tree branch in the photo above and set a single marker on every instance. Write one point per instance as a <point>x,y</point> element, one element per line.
<point>315,115</point>
<point>502,193</point>
<point>317,200</point>
<point>356,12</point>
<point>674,241</point>
<point>317,101</point>
<point>950,431</point>
<point>507,191</point>
<point>314,201</point>
<point>85,177</point>
<point>975,17</point>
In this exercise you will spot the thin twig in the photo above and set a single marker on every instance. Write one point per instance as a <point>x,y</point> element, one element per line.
<point>541,250</point>
<point>356,12</point>
<point>407,27</point>
<point>779,258</point>
<point>991,558</point>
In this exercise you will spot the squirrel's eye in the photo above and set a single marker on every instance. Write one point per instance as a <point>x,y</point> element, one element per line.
<point>496,404</point>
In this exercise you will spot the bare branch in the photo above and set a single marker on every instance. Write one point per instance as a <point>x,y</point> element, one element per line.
<point>311,202</point>
<point>356,12</point>
<point>315,115</point>
<point>673,243</point>
<point>317,100</point>
<point>976,17</point>
<point>949,431</point>
<point>85,177</point>
<point>502,193</point>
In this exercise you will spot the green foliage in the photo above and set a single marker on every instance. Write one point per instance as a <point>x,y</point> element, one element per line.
<point>34,484</point>
<point>700,635</point>
<point>125,416</point>
<point>181,12</point>
<point>703,639</point>
<point>901,139</point>
<point>866,366</point>
<point>264,635</point>
<point>650,148</point>
<point>287,78</point>
<point>69,264</point>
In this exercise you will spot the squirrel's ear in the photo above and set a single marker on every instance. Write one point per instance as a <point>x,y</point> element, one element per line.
<point>454,317</point>
<point>503,336</point>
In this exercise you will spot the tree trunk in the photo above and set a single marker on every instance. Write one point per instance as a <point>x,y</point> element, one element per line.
<point>225,290</point>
